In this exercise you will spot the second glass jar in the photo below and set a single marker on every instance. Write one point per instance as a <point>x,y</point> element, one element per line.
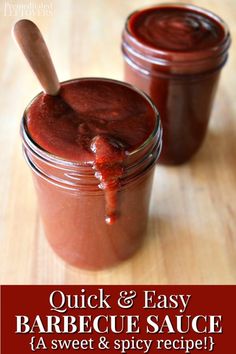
<point>175,53</point>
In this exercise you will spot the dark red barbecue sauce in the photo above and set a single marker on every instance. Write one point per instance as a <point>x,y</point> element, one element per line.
<point>93,122</point>
<point>174,52</point>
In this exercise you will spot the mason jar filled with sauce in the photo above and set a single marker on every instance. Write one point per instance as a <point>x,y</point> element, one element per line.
<point>92,150</point>
<point>175,53</point>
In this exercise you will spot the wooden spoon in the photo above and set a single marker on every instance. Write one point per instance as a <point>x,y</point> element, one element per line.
<point>32,44</point>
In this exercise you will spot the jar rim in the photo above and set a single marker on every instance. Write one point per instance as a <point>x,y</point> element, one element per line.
<point>182,56</point>
<point>52,158</point>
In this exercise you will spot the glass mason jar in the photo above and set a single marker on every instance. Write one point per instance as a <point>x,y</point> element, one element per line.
<point>72,205</point>
<point>181,80</point>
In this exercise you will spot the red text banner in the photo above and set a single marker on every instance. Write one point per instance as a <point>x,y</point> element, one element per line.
<point>117,319</point>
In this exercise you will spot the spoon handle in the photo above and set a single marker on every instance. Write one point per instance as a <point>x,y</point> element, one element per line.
<point>33,46</point>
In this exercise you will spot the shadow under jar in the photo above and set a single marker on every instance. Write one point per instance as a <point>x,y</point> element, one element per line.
<point>175,52</point>
<point>92,151</point>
